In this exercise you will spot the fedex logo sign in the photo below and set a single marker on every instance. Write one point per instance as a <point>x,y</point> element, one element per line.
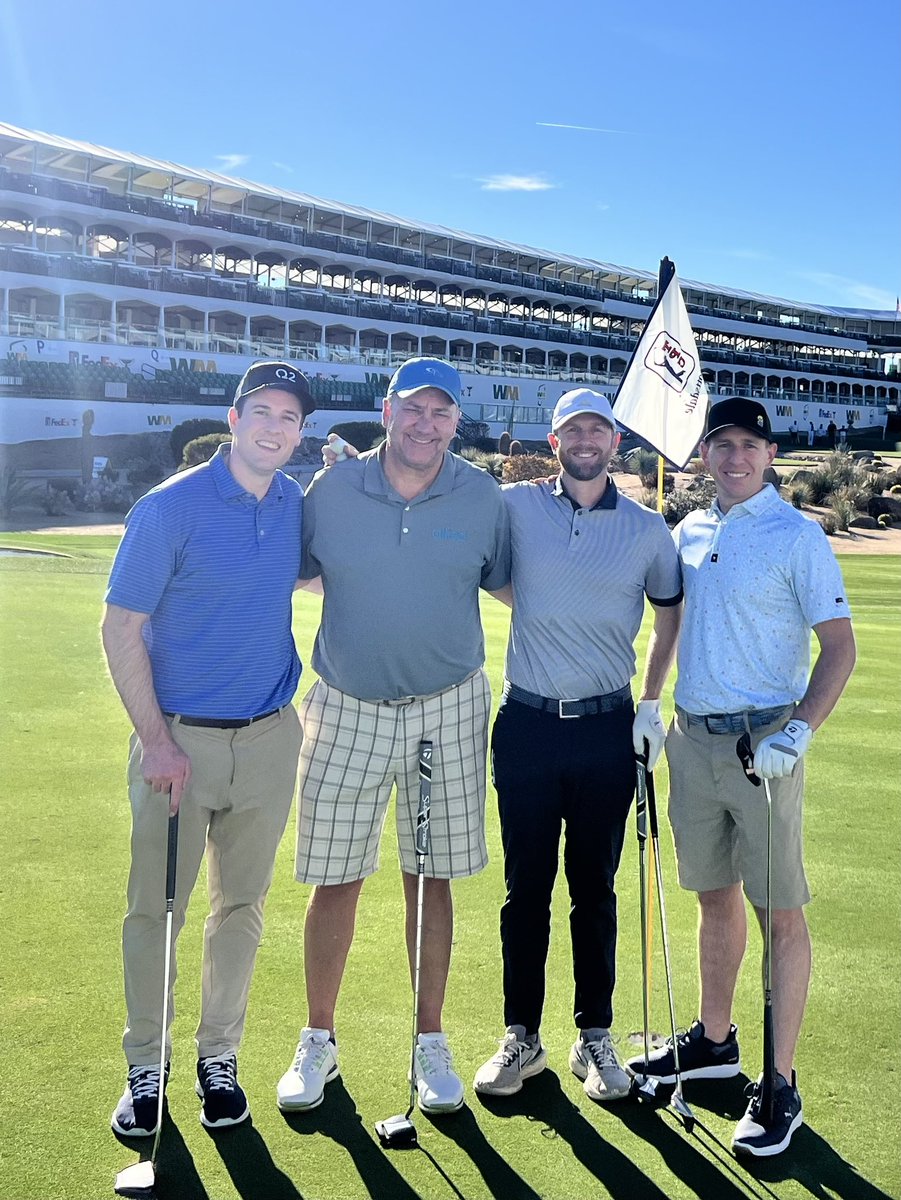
<point>667,358</point>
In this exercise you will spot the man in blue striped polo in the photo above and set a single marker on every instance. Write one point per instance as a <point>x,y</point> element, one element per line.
<point>197,633</point>
<point>584,557</point>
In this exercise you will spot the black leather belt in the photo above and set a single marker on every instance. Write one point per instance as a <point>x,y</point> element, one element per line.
<point>733,722</point>
<point>220,722</point>
<point>565,709</point>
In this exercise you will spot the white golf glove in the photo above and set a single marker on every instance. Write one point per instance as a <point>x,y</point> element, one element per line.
<point>648,726</point>
<point>335,450</point>
<point>777,755</point>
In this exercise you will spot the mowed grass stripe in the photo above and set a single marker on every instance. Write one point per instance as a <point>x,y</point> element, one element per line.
<point>65,825</point>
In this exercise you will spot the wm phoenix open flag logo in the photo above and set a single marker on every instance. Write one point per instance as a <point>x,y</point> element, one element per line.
<point>670,361</point>
<point>662,396</point>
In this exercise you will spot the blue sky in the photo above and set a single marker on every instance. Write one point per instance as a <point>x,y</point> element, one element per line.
<point>756,144</point>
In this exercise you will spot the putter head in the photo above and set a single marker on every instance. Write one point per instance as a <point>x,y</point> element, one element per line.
<point>136,1181</point>
<point>397,1133</point>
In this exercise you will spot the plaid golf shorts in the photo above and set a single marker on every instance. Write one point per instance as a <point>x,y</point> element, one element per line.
<point>355,751</point>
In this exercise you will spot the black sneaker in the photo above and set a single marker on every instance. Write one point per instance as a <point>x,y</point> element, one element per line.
<point>224,1102</point>
<point>136,1112</point>
<point>752,1137</point>
<point>699,1057</point>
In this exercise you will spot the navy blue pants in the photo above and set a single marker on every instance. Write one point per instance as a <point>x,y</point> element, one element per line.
<point>579,775</point>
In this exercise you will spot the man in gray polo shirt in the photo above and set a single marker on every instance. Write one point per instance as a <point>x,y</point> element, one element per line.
<point>564,742</point>
<point>403,537</point>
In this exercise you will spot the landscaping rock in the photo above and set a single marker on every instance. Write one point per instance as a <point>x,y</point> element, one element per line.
<point>864,523</point>
<point>877,505</point>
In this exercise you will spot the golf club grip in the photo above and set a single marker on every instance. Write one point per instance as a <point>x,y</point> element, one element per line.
<point>652,803</point>
<point>423,815</point>
<point>171,857</point>
<point>641,802</point>
<point>768,1089</point>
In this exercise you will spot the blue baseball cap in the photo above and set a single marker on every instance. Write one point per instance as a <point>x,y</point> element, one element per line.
<point>419,373</point>
<point>579,401</point>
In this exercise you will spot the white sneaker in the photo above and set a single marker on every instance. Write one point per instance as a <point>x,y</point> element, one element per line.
<point>315,1064</point>
<point>439,1087</point>
<point>519,1058</point>
<point>594,1059</point>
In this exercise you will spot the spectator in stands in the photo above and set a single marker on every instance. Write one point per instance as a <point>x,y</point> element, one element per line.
<point>821,432</point>
<point>832,431</point>
<point>811,434</point>
<point>402,539</point>
<point>793,430</point>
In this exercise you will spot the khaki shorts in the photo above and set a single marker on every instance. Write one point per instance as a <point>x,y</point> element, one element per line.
<point>354,752</point>
<point>719,818</point>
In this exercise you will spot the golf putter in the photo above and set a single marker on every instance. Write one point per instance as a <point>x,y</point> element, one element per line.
<point>645,1086</point>
<point>138,1181</point>
<point>677,1100</point>
<point>768,1086</point>
<point>399,1132</point>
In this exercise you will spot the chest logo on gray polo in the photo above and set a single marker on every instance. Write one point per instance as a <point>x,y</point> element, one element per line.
<point>450,535</point>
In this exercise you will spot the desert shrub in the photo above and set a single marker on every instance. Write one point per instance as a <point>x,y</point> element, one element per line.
<point>643,463</point>
<point>56,501</point>
<point>895,489</point>
<point>362,435</point>
<point>797,494</point>
<point>492,461</point>
<point>503,443</point>
<point>855,493</point>
<point>843,510</point>
<point>528,466</point>
<point>102,495</point>
<point>680,502</point>
<point>202,449</point>
<point>828,524</point>
<point>885,521</point>
<point>648,498</point>
<point>14,490</point>
<point>186,432</point>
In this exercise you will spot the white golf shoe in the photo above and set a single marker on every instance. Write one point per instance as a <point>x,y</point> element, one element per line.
<point>439,1088</point>
<point>315,1064</point>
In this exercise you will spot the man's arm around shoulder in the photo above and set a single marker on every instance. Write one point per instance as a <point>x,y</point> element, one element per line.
<point>164,764</point>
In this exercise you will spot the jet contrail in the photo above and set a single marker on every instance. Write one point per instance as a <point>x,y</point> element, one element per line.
<point>582,128</point>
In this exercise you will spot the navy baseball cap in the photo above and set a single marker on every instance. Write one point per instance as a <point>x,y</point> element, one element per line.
<point>419,373</point>
<point>276,375</point>
<point>746,414</point>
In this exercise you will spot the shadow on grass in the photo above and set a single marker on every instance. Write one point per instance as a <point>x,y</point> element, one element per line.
<point>542,1100</point>
<point>500,1178</point>
<point>176,1175</point>
<point>812,1162</point>
<point>337,1118</point>
<point>250,1165</point>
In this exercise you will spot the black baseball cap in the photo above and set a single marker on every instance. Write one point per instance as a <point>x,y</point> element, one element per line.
<point>278,375</point>
<point>746,414</point>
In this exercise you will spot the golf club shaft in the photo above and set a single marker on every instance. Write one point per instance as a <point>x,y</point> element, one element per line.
<point>423,840</point>
<point>641,816</point>
<point>171,864</point>
<point>678,1100</point>
<point>769,1041</point>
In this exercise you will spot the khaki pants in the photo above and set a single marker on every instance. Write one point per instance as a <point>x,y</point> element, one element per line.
<point>235,808</point>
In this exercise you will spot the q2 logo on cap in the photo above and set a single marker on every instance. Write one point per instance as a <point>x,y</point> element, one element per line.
<point>284,373</point>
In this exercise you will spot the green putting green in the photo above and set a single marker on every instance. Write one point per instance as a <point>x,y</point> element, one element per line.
<point>65,830</point>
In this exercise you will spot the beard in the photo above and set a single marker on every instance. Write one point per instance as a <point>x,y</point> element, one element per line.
<point>584,470</point>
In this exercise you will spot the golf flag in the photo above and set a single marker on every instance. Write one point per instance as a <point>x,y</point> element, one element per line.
<point>662,396</point>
